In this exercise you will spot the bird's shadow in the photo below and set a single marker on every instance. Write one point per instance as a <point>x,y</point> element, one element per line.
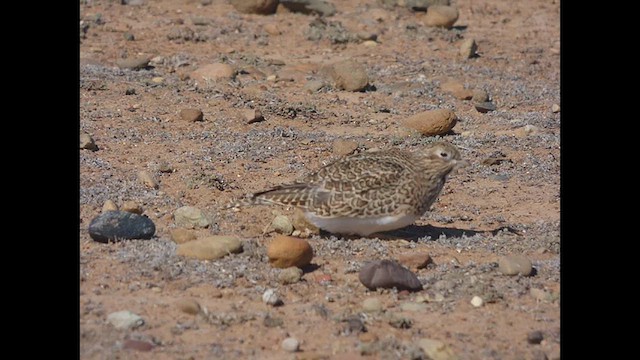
<point>416,232</point>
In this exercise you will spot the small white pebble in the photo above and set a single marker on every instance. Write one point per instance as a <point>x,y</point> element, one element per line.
<point>476,301</point>
<point>271,298</point>
<point>555,108</point>
<point>290,344</point>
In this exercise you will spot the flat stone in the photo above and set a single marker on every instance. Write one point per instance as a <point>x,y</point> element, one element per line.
<point>181,235</point>
<point>120,225</point>
<point>210,248</point>
<point>189,306</point>
<point>415,261</point>
<point>125,320</point>
<point>441,16</point>
<point>372,305</point>
<point>262,7</point>
<point>190,217</point>
<point>344,147</point>
<point>133,63</point>
<point>432,122</point>
<point>309,7</point>
<point>191,115</point>
<point>388,274</point>
<point>436,349</point>
<point>211,73</point>
<point>514,265</point>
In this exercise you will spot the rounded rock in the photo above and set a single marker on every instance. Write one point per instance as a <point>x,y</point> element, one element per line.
<point>436,349</point>
<point>210,248</point>
<point>457,89</point>
<point>86,142</point>
<point>109,205</point>
<point>190,217</point>
<point>125,320</point>
<point>477,301</point>
<point>344,147</point>
<point>432,122</point>
<point>290,344</point>
<point>514,265</point>
<point>480,96</point>
<point>301,223</point>
<point>441,16</point>
<point>290,275</point>
<point>286,251</point>
<point>282,225</point>
<point>415,260</point>
<point>270,297</point>
<point>132,207</point>
<point>137,345</point>
<point>535,337</point>
<point>387,274</point>
<point>181,235</point>
<point>555,108</point>
<point>120,225</point>
<point>372,305</point>
<point>211,73</point>
<point>485,107</point>
<point>147,179</point>
<point>262,7</point>
<point>468,48</point>
<point>134,63</point>
<point>251,116</point>
<point>349,75</point>
<point>191,115</point>
<point>189,306</point>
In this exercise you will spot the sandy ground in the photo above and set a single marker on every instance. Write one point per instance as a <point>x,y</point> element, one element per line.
<point>486,211</point>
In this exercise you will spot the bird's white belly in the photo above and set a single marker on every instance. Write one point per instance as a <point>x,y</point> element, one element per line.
<point>358,226</point>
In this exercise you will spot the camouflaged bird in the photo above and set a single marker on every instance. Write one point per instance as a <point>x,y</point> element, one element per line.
<point>368,192</point>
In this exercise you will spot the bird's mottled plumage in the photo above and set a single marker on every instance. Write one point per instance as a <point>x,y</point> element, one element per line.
<point>368,192</point>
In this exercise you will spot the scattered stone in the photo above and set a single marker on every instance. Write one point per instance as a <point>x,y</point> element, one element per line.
<point>286,251</point>
<point>399,322</point>
<point>290,275</point>
<point>477,301</point>
<point>129,36</point>
<point>301,223</point>
<point>309,7</point>
<point>432,122</point>
<point>468,49</point>
<point>344,147</point>
<point>130,91</point>
<point>134,63</point>
<point>415,261</point>
<point>124,320</point>
<point>540,294</point>
<point>388,274</point>
<point>485,107</point>
<point>262,7</point>
<point>164,167</point>
<point>189,306</point>
<point>210,247</point>
<point>148,180</point>
<point>436,350</point>
<point>181,235</point>
<point>252,116</point>
<point>367,36</point>
<point>157,80</point>
<point>281,224</point>
<point>441,16</point>
<point>355,325</point>
<point>270,297</point>
<point>86,142</point>
<point>200,21</point>
<point>526,130</point>
<point>535,337</point>
<point>371,305</point>
<point>480,96</point>
<point>514,265</point>
<point>369,43</point>
<point>349,75</point>
<point>420,5</point>
<point>180,34</point>
<point>109,206</point>
<point>413,306</point>
<point>290,344</point>
<point>555,108</point>
<point>457,90</point>
<point>191,115</point>
<point>313,86</point>
<point>137,345</point>
<point>190,217</point>
<point>212,73</point>
<point>132,207</point>
<point>120,225</point>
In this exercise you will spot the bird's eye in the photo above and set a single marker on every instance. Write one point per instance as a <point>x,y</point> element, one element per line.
<point>444,154</point>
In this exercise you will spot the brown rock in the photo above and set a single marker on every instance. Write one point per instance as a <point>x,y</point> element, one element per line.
<point>344,147</point>
<point>86,142</point>
<point>109,206</point>
<point>132,207</point>
<point>210,248</point>
<point>456,89</point>
<point>182,235</point>
<point>301,223</point>
<point>480,96</point>
<point>191,115</point>
<point>211,73</point>
<point>134,63</point>
<point>286,251</point>
<point>441,16</point>
<point>252,116</point>
<point>432,122</point>
<point>272,29</point>
<point>262,7</point>
<point>137,345</point>
<point>349,75</point>
<point>468,48</point>
<point>415,260</point>
<point>189,306</point>
<point>147,179</point>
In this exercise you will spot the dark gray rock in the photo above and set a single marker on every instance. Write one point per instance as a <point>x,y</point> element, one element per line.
<point>388,274</point>
<point>310,7</point>
<point>535,337</point>
<point>120,225</point>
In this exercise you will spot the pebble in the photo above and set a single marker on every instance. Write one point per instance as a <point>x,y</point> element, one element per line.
<point>420,4</point>
<point>540,294</point>
<point>109,205</point>
<point>349,75</point>
<point>191,115</point>
<point>189,306</point>
<point>555,108</point>
<point>535,337</point>
<point>468,48</point>
<point>281,224</point>
<point>129,36</point>
<point>476,301</point>
<point>514,265</point>
<point>290,275</point>
<point>190,217</point>
<point>301,223</point>
<point>432,122</point>
<point>286,251</point>
<point>369,43</point>
<point>180,33</point>
<point>164,167</point>
<point>137,345</point>
<point>130,91</point>
<point>120,225</point>
<point>480,96</point>
<point>441,16</point>
<point>210,247</point>
<point>262,7</point>
<point>388,274</point>
<point>313,86</point>
<point>124,320</point>
<point>457,89</point>
<point>212,72</point>
<point>413,306</point>
<point>157,79</point>
<point>344,147</point>
<point>485,107</point>
<point>132,207</point>
<point>415,261</point>
<point>270,297</point>
<point>133,63</point>
<point>436,349</point>
<point>148,180</point>
<point>181,235</point>
<point>86,142</point>
<point>290,344</point>
<point>372,305</point>
<point>310,7</point>
<point>252,116</point>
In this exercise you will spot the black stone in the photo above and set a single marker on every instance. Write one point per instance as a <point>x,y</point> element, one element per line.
<point>388,274</point>
<point>485,107</point>
<point>535,337</point>
<point>120,225</point>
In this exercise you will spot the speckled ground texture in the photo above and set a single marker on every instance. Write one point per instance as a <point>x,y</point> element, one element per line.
<point>487,210</point>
